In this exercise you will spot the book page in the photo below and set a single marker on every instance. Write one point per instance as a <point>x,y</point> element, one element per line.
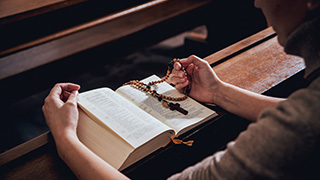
<point>150,104</point>
<point>124,118</point>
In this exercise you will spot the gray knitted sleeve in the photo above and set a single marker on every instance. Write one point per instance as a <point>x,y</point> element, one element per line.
<point>272,148</point>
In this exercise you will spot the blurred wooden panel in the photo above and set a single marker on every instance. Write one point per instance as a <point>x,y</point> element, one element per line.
<point>91,43</point>
<point>13,7</point>
<point>258,68</point>
<point>12,10</point>
<point>76,39</point>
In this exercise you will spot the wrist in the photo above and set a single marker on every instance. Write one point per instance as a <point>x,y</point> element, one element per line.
<point>218,93</point>
<point>229,97</point>
<point>224,95</point>
<point>64,141</point>
<point>67,146</point>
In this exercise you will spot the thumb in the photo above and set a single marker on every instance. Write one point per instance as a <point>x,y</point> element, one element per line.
<point>73,97</point>
<point>177,66</point>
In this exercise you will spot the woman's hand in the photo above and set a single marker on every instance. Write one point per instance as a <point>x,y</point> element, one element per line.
<point>201,79</point>
<point>207,87</point>
<point>61,112</point>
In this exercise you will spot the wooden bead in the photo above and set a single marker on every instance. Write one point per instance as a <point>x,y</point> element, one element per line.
<point>165,104</point>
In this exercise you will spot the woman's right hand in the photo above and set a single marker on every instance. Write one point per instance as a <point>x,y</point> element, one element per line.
<point>201,79</point>
<point>61,112</point>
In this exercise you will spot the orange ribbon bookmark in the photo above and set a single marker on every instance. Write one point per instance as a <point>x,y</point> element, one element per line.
<point>178,141</point>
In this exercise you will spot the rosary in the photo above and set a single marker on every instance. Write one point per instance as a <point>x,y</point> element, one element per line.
<point>162,98</point>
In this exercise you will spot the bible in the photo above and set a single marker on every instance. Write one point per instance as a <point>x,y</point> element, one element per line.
<point>125,125</point>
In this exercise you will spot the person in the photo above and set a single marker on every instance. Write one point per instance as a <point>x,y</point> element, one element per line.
<point>282,142</point>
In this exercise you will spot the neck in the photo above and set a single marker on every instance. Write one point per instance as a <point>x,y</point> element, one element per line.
<point>305,42</point>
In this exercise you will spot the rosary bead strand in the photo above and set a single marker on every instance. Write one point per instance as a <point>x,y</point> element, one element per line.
<point>162,98</point>
<point>146,87</point>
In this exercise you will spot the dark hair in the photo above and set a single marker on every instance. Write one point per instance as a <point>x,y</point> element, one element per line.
<point>313,14</point>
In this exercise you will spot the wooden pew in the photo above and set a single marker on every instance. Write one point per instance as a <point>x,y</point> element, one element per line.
<point>257,63</point>
<point>15,10</point>
<point>101,38</point>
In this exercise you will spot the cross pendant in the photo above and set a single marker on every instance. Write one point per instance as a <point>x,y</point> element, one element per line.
<point>176,106</point>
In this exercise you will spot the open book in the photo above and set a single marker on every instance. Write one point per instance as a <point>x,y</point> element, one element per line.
<point>125,125</point>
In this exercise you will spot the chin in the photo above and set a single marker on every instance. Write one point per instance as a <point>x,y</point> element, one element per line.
<point>281,41</point>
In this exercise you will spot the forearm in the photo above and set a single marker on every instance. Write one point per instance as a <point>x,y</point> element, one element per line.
<point>83,162</point>
<point>243,103</point>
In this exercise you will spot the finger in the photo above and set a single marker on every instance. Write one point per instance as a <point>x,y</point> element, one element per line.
<point>57,94</point>
<point>180,86</point>
<point>178,73</point>
<point>184,63</point>
<point>190,69</point>
<point>60,87</point>
<point>70,87</point>
<point>65,95</point>
<point>195,60</point>
<point>176,80</point>
<point>56,90</point>
<point>73,97</point>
